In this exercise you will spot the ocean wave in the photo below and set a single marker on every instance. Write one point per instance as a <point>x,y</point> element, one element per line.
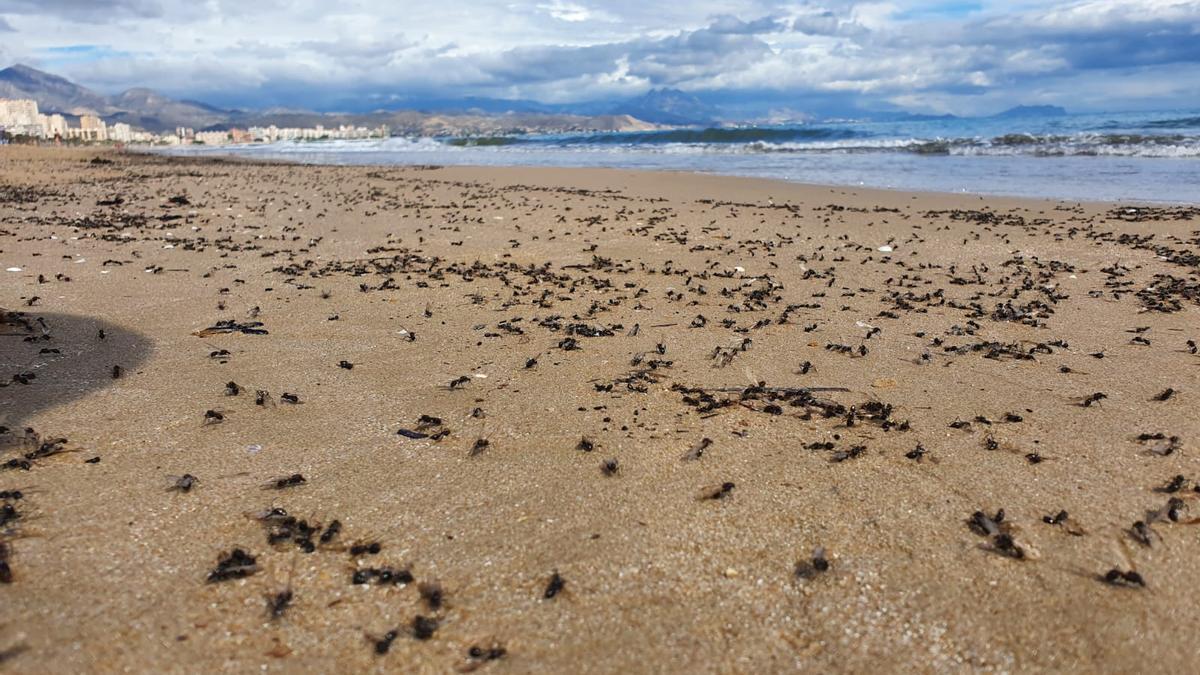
<point>714,136</point>
<point>1081,145</point>
<point>1177,123</point>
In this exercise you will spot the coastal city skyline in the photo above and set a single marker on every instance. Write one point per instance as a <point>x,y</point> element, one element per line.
<point>22,118</point>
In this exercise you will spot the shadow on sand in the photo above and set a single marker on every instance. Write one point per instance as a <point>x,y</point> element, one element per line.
<point>49,359</point>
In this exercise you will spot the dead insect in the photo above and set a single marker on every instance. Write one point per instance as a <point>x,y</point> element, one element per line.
<point>1117,577</point>
<point>1142,533</point>
<point>480,445</point>
<point>289,398</point>
<point>585,445</point>
<point>1175,485</point>
<point>116,372</point>
<point>236,564</point>
<point>346,365</point>
<point>719,492</point>
<point>287,482</point>
<point>807,569</point>
<point>366,548</point>
<point>334,528</point>
<point>1004,544</point>
<point>277,603</point>
<point>985,526</point>
<point>232,389</point>
<point>184,483</point>
<point>412,434</point>
<point>477,653</point>
<point>432,594</point>
<point>423,627</point>
<point>213,417</point>
<point>382,576</point>
<point>1094,398</point>
<point>554,586</point>
<point>1166,394</point>
<point>1057,519</point>
<point>459,381</point>
<point>383,644</point>
<point>609,467</point>
<point>697,449</point>
<point>853,452</point>
<point>916,453</point>
<point>261,397</point>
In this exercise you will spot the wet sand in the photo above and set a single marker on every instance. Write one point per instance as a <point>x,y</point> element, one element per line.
<point>555,321</point>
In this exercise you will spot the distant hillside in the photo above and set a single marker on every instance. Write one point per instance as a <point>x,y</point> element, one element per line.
<point>142,108</point>
<point>667,106</point>
<point>53,93</point>
<point>152,111</point>
<point>1032,111</point>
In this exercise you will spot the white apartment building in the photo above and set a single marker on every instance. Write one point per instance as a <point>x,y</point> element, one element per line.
<point>120,132</point>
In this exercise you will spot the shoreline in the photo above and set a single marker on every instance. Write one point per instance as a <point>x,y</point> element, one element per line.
<point>1007,199</point>
<point>582,415</point>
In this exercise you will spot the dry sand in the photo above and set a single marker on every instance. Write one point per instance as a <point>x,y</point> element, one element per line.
<point>981,306</point>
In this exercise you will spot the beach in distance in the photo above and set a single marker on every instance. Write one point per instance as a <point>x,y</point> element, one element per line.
<point>283,417</point>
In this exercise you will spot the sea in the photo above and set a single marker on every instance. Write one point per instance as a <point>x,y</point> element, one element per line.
<point>1127,157</point>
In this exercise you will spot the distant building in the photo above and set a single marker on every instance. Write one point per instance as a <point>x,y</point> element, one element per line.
<point>121,132</point>
<point>20,116</point>
<point>56,125</point>
<point>92,128</point>
<point>211,137</point>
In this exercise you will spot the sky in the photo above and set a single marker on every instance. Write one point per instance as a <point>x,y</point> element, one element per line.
<point>759,56</point>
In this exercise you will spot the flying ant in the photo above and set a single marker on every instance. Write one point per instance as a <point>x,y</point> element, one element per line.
<point>697,450</point>
<point>719,492</point>
<point>286,482</point>
<point>609,467</point>
<point>236,564</point>
<point>554,586</point>
<point>334,528</point>
<point>423,627</point>
<point>432,594</point>
<point>815,565</point>
<point>183,483</point>
<point>383,644</point>
<point>479,446</point>
<point>365,548</point>
<point>1118,577</point>
<point>279,601</point>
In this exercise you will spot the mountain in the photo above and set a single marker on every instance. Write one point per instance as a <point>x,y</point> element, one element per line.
<point>667,106</point>
<point>53,93</point>
<point>143,108</point>
<point>151,110</point>
<point>1032,111</point>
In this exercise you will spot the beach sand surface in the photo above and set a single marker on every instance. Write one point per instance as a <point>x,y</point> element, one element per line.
<point>555,320</point>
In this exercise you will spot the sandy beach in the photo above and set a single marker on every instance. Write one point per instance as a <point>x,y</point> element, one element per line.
<point>546,420</point>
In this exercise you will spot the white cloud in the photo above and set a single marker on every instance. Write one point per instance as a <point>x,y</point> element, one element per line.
<point>954,55</point>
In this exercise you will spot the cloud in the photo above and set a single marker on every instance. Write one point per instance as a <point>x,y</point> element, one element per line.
<point>933,55</point>
<point>89,10</point>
